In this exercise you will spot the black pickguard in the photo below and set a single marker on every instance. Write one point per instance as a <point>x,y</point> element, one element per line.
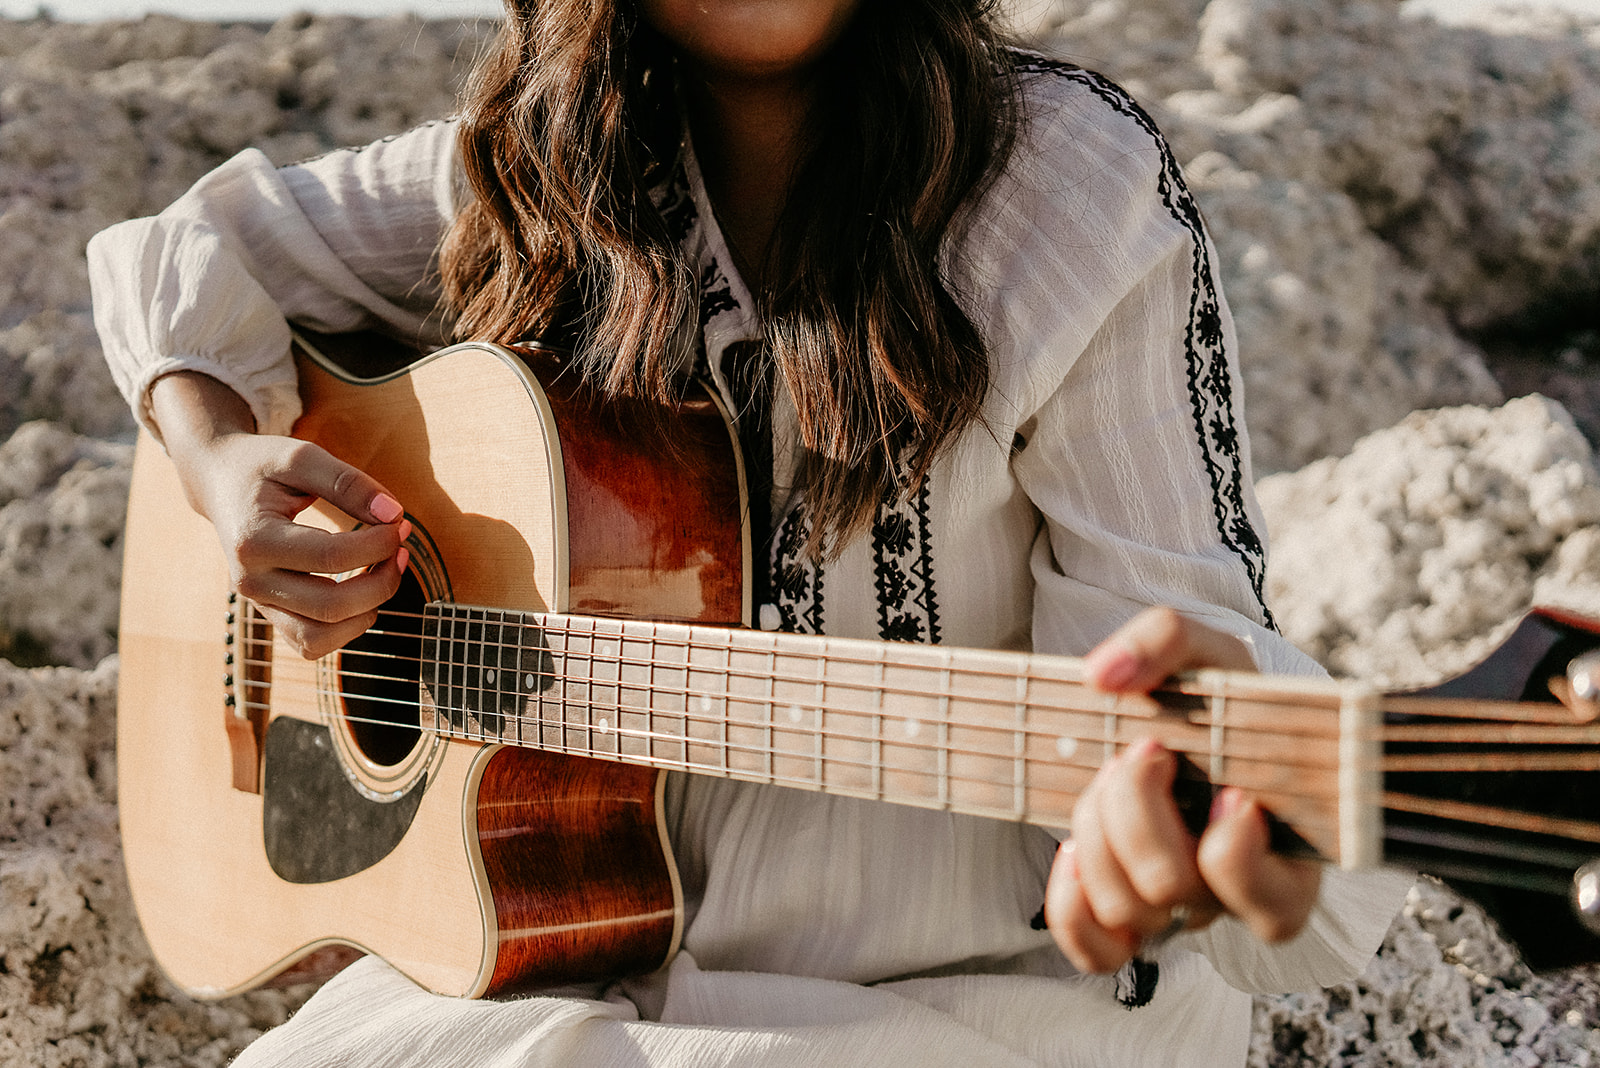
<point>316,825</point>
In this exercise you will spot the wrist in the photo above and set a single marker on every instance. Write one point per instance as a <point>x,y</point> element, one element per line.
<point>193,414</point>
<point>192,410</point>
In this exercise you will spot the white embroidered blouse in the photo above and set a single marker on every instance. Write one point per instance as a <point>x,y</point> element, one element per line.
<point>1111,472</point>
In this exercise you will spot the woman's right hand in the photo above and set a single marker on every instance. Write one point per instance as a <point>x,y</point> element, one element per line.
<point>252,486</point>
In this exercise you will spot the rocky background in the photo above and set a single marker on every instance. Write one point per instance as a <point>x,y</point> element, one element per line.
<point>1408,217</point>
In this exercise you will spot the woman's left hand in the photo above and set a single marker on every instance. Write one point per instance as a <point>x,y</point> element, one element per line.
<point>1132,861</point>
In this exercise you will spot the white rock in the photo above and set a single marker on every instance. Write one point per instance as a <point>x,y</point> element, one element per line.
<point>1407,557</point>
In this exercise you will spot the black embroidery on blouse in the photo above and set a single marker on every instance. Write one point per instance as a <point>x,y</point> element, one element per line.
<point>716,293</point>
<point>902,568</point>
<point>1210,384</point>
<point>796,577</point>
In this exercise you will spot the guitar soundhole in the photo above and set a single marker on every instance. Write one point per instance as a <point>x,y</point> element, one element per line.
<point>378,678</point>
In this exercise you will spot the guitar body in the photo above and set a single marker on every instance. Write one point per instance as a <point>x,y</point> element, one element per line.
<point>279,814</point>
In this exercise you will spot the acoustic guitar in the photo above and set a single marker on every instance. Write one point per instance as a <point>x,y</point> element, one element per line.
<point>472,789</point>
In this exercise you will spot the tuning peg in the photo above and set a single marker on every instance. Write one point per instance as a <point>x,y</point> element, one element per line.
<point>1579,689</point>
<point>1584,674</point>
<point>1586,894</point>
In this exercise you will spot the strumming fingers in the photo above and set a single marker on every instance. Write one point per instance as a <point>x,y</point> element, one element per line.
<point>293,547</point>
<point>312,639</point>
<point>318,599</point>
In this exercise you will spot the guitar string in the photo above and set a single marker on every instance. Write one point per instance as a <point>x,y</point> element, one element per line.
<point>651,739</point>
<point>1472,760</point>
<point>806,680</point>
<point>1315,813</point>
<point>535,725</point>
<point>1493,733</point>
<point>595,628</point>
<point>553,737</point>
<point>1004,733</point>
<point>1004,736</point>
<point>475,624</point>
<point>777,712</point>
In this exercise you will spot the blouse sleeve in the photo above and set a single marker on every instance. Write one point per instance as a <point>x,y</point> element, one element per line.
<point>342,242</point>
<point>1134,452</point>
<point>1131,440</point>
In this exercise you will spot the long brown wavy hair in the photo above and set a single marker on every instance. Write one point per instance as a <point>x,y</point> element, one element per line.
<point>572,119</point>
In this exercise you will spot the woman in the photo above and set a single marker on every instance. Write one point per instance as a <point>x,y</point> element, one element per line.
<point>966,311</point>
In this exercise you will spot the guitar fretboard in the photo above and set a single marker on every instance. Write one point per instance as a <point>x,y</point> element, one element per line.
<point>990,733</point>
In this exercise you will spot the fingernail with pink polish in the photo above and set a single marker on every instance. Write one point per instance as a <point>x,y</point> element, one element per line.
<point>385,508</point>
<point>402,558</point>
<point>405,529</point>
<point>1144,749</point>
<point>1111,667</point>
<point>1226,803</point>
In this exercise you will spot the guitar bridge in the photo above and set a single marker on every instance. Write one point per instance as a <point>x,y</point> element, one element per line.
<point>247,666</point>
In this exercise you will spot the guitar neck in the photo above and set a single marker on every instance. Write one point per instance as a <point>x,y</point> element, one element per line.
<point>988,733</point>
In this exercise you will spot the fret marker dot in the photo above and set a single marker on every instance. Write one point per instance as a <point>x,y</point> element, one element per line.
<point>605,725</point>
<point>795,715</point>
<point>1065,747</point>
<point>705,702</point>
<point>913,728</point>
<point>488,676</point>
<point>607,650</point>
<point>527,681</point>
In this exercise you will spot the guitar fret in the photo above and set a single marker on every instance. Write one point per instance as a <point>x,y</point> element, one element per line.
<point>554,702</point>
<point>608,657</point>
<point>506,685</point>
<point>468,641</point>
<point>458,670</point>
<point>944,732</point>
<point>598,688</point>
<point>1019,749</point>
<point>444,656</point>
<point>567,696</point>
<point>485,711</point>
<point>821,701</point>
<point>508,681</point>
<point>727,665</point>
<point>489,678</point>
<point>772,673</point>
<point>1219,709</point>
<point>471,675</point>
<point>649,700</point>
<point>1109,729</point>
<point>610,740</point>
<point>877,729</point>
<point>429,669</point>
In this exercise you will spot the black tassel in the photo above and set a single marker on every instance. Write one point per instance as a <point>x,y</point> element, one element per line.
<point>1136,982</point>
